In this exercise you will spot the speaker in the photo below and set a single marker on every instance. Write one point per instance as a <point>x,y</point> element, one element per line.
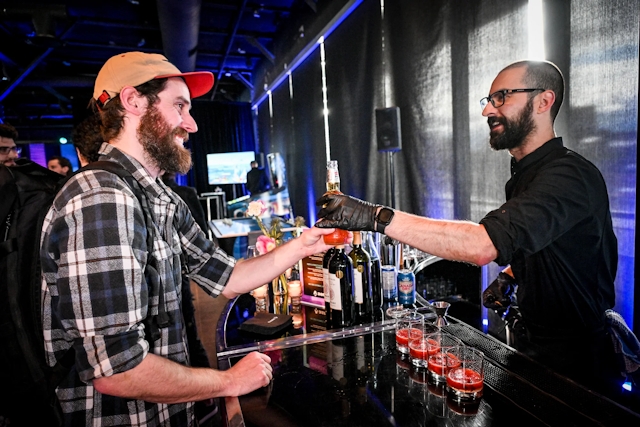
<point>388,132</point>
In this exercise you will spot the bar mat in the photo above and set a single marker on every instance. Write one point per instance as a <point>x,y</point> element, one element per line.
<point>267,323</point>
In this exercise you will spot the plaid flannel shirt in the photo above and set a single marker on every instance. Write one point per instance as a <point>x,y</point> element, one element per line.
<point>95,295</point>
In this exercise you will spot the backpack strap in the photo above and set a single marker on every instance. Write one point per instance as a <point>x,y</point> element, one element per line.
<point>163,318</point>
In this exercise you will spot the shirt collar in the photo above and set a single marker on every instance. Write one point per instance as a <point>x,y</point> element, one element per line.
<point>543,150</point>
<point>148,183</point>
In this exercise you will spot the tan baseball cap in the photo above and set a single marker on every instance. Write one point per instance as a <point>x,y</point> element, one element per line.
<point>136,68</point>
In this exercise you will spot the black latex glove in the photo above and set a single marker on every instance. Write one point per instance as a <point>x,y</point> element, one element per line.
<point>498,294</point>
<point>346,212</point>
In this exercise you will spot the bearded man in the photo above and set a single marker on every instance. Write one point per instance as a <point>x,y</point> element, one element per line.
<point>102,283</point>
<point>554,231</point>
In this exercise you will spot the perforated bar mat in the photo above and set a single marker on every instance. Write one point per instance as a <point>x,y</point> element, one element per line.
<point>553,399</point>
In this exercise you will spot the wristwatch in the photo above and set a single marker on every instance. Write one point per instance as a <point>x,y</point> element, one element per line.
<point>383,218</point>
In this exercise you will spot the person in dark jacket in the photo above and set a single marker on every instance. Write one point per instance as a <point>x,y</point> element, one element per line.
<point>257,179</point>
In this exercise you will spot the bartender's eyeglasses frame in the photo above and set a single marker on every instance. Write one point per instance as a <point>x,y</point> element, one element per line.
<point>497,98</point>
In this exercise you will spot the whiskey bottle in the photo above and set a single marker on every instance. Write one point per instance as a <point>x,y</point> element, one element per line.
<point>339,236</point>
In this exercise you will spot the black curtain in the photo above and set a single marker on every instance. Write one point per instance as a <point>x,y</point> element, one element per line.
<point>435,60</point>
<point>353,89</point>
<point>222,128</point>
<point>307,162</point>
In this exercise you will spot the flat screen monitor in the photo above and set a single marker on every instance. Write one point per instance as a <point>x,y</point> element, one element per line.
<point>229,168</point>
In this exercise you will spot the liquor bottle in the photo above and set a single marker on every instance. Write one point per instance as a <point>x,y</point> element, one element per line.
<point>389,260</point>
<point>341,278</point>
<point>370,246</point>
<point>363,295</point>
<point>389,285</point>
<point>339,236</point>
<point>326,283</point>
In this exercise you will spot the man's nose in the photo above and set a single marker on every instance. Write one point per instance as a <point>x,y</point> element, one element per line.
<point>488,109</point>
<point>189,124</point>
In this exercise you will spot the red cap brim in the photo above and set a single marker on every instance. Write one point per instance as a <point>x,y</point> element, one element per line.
<point>198,82</point>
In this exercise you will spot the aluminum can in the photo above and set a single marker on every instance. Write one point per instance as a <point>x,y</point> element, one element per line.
<point>406,287</point>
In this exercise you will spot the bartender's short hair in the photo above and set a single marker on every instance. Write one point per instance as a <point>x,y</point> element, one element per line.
<point>543,74</point>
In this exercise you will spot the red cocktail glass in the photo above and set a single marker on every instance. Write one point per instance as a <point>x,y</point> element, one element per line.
<point>420,350</point>
<point>466,380</point>
<point>408,328</point>
<point>439,357</point>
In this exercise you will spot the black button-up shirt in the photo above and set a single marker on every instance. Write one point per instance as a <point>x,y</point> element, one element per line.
<point>555,230</point>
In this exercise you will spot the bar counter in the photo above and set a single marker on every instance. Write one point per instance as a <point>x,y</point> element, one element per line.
<point>355,377</point>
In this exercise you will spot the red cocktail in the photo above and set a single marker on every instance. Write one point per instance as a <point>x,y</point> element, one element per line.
<point>465,380</point>
<point>408,328</point>
<point>403,336</point>
<point>420,350</point>
<point>441,363</point>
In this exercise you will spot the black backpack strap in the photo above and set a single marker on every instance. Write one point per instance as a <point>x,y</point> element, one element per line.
<point>163,319</point>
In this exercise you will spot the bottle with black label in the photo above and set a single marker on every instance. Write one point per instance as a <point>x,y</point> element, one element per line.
<point>326,283</point>
<point>341,278</point>
<point>370,246</point>
<point>363,294</point>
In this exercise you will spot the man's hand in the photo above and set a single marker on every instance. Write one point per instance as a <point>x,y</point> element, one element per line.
<point>498,294</point>
<point>346,212</point>
<point>250,373</point>
<point>313,242</point>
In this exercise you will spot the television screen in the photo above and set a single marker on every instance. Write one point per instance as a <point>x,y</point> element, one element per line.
<point>229,168</point>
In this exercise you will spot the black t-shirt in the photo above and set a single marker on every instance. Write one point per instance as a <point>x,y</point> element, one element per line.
<point>555,230</point>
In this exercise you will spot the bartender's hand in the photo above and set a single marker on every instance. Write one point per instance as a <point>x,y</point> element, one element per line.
<point>346,212</point>
<point>498,294</point>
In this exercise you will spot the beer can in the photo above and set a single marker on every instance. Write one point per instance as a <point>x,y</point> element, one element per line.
<point>406,287</point>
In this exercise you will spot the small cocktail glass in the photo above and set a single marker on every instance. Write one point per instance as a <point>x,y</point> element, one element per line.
<point>465,381</point>
<point>408,328</point>
<point>419,348</point>
<point>440,359</point>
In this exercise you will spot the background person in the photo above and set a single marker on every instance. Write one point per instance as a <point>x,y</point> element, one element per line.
<point>554,231</point>
<point>87,139</point>
<point>257,179</point>
<point>60,165</point>
<point>9,151</point>
<point>102,284</point>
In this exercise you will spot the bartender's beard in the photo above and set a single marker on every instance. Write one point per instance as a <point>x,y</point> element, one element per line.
<point>514,131</point>
<point>158,141</point>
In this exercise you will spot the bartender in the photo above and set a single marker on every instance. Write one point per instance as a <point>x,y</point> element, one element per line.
<point>554,230</point>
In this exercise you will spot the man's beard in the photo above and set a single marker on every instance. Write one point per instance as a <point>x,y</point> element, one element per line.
<point>158,141</point>
<point>514,132</point>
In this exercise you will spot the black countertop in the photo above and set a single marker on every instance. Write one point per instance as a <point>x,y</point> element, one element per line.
<point>354,377</point>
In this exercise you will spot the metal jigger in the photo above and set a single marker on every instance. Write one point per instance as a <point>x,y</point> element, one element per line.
<point>441,308</point>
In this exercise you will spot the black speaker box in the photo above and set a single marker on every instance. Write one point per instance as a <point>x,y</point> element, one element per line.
<point>388,132</point>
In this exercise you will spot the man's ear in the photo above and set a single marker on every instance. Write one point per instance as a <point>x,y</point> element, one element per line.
<point>547,99</point>
<point>132,101</point>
